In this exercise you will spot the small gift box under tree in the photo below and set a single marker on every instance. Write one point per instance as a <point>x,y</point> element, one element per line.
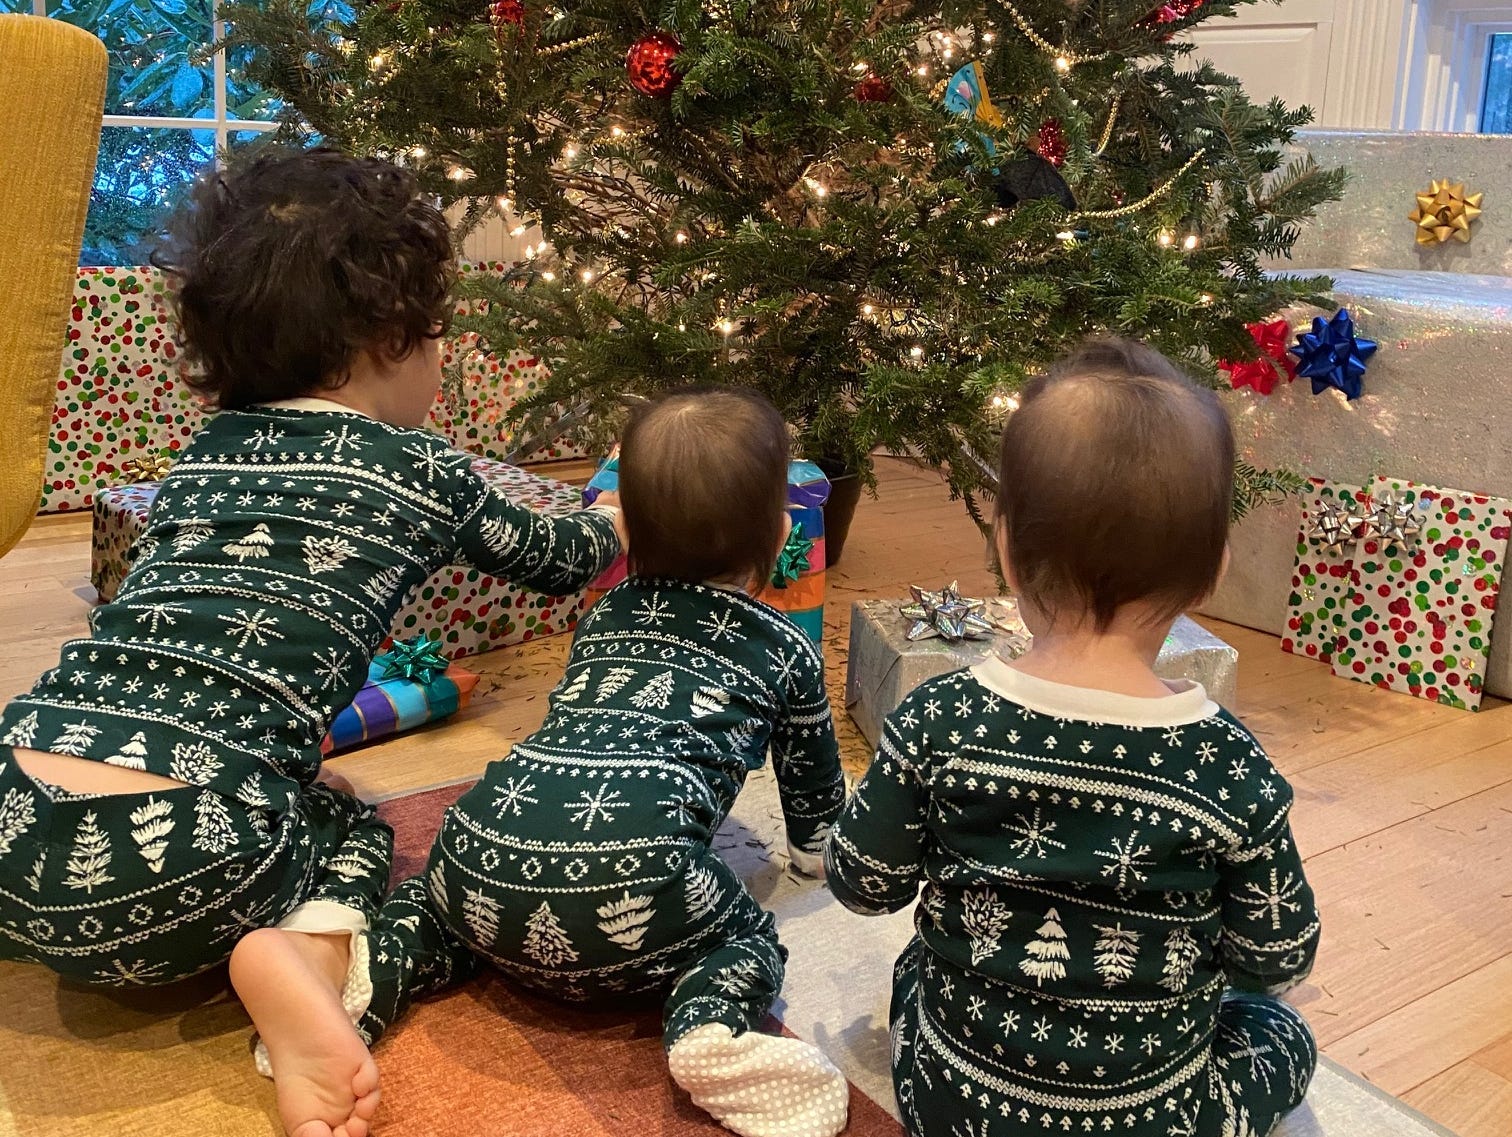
<point>886,664</point>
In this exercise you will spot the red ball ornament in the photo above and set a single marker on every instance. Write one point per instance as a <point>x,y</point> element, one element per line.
<point>504,12</point>
<point>649,64</point>
<point>873,89</point>
<point>1050,142</point>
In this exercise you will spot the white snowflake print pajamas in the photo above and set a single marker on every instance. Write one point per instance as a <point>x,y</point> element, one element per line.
<point>581,865</point>
<point>277,553</point>
<point>1111,899</point>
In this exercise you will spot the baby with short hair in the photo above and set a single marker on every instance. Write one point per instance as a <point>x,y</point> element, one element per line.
<point>1111,896</point>
<point>581,865</point>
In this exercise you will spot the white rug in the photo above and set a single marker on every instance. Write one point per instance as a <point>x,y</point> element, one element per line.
<point>839,979</point>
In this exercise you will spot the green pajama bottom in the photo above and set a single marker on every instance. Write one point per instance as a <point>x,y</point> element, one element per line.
<point>698,939</point>
<point>139,890</point>
<point>964,1064</point>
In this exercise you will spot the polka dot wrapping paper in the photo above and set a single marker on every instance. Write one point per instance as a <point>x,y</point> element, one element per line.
<point>1320,586</point>
<point>121,393</point>
<point>1420,613</point>
<point>467,610</point>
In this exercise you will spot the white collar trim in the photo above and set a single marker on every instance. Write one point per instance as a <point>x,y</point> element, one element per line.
<point>318,406</point>
<point>1187,702</point>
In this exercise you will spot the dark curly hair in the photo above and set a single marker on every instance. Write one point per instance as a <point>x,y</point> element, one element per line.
<point>284,269</point>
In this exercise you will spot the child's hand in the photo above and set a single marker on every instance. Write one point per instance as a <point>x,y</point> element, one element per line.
<point>612,499</point>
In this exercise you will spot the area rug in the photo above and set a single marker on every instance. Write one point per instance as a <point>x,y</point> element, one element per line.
<point>484,1059</point>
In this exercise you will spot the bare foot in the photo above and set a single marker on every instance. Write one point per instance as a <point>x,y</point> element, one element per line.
<point>290,983</point>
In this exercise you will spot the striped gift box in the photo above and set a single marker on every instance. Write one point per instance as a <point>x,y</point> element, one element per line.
<point>391,706</point>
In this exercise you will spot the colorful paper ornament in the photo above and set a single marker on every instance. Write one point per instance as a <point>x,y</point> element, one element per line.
<point>1445,212</point>
<point>966,94</point>
<point>1050,142</point>
<point>873,88</point>
<point>1331,355</point>
<point>649,64</point>
<point>1261,374</point>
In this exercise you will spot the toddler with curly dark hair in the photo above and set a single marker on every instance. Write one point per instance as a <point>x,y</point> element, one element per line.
<point>159,809</point>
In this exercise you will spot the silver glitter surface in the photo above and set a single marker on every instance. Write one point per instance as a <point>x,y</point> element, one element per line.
<point>1435,410</point>
<point>884,665</point>
<point>1387,170</point>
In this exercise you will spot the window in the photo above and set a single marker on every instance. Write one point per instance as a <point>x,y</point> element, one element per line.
<point>166,114</point>
<point>1496,107</point>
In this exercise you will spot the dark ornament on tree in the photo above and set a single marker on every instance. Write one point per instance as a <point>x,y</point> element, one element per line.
<point>1030,179</point>
<point>873,89</point>
<point>1050,142</point>
<point>503,13</point>
<point>649,64</point>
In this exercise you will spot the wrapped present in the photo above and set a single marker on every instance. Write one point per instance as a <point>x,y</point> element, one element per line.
<point>1434,411</point>
<point>122,403</point>
<point>463,607</point>
<point>885,664</point>
<point>798,581</point>
<point>1332,521</point>
<point>408,685</point>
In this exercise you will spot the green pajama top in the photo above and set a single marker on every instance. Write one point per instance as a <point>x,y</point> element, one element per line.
<point>1095,869</point>
<point>673,693</point>
<point>277,553</point>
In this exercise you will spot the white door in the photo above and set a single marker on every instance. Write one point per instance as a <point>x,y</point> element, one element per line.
<point>1275,50</point>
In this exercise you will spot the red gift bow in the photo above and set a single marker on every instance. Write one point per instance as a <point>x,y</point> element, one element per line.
<point>1271,339</point>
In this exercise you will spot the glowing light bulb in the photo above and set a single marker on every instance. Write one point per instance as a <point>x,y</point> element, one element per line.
<point>860,65</point>
<point>1207,298</point>
<point>518,231</point>
<point>916,351</point>
<point>987,37</point>
<point>682,238</point>
<point>587,275</point>
<point>1066,235</point>
<point>548,276</point>
<point>994,218</point>
<point>817,187</point>
<point>1062,64</point>
<point>725,326</point>
<point>459,173</point>
<point>922,71</point>
<point>617,131</point>
<point>504,204</point>
<point>1191,243</point>
<point>378,62</point>
<point>867,309</point>
<point>1165,238</point>
<point>569,152</point>
<point>418,153</point>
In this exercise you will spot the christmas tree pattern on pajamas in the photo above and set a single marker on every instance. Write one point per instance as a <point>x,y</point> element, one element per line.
<point>581,864</point>
<point>1096,872</point>
<point>276,555</point>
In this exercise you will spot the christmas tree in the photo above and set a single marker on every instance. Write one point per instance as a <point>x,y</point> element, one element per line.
<point>883,214</point>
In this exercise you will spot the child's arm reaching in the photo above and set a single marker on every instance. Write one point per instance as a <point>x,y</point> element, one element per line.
<point>806,759</point>
<point>1270,923</point>
<point>555,555</point>
<point>874,859</point>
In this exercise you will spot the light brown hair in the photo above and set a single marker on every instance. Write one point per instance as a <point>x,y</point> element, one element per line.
<point>703,483</point>
<point>1116,481</point>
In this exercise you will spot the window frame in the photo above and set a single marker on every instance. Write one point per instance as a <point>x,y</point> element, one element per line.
<point>1445,61</point>
<point>223,126</point>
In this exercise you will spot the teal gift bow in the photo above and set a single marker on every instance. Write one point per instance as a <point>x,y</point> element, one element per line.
<point>420,659</point>
<point>793,561</point>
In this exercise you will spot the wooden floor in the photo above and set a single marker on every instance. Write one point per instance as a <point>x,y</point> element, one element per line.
<point>1404,810</point>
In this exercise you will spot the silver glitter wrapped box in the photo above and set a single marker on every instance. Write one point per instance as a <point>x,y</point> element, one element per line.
<point>1387,170</point>
<point>885,666</point>
<point>1436,409</point>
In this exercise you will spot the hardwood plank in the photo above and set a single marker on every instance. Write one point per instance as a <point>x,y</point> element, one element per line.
<point>1468,1099</point>
<point>1403,918</point>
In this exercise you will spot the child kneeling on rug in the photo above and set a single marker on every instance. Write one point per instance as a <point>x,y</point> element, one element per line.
<point>1112,898</point>
<point>158,794</point>
<point>581,865</point>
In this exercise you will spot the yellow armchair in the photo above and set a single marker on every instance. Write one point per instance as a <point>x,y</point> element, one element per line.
<point>52,89</point>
